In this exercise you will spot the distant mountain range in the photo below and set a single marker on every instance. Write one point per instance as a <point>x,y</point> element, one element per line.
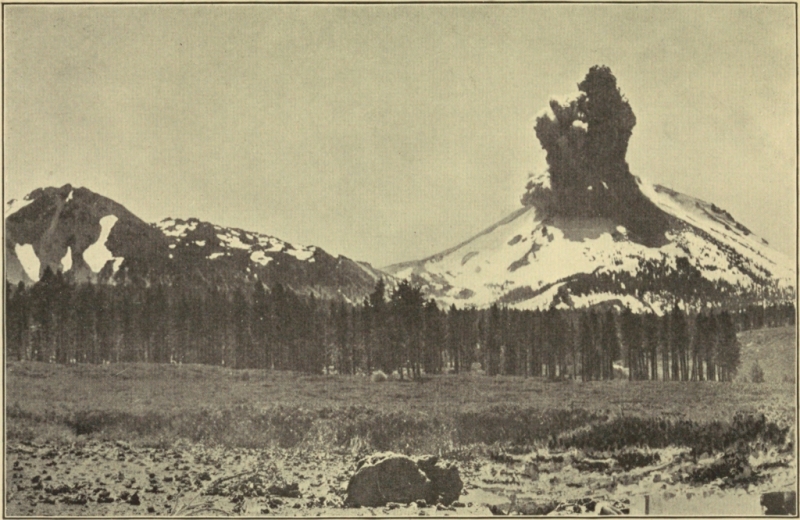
<point>529,260</point>
<point>90,237</point>
<point>589,234</point>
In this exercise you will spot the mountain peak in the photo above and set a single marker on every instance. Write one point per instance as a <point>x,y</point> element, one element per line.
<point>535,259</point>
<point>90,237</point>
<point>590,232</point>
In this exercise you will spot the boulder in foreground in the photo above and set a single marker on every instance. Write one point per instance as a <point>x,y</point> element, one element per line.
<point>390,477</point>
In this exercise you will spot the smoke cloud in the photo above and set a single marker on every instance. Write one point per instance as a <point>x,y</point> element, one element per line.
<point>586,139</point>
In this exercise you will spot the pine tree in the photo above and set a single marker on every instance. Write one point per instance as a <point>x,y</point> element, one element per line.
<point>261,324</point>
<point>492,341</point>
<point>586,345</point>
<point>609,345</point>
<point>434,338</point>
<point>728,347</point>
<point>379,343</point>
<point>651,341</point>
<point>16,320</point>
<point>679,338</point>
<point>631,330</point>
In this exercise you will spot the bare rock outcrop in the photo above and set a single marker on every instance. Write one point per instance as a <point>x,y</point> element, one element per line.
<point>388,477</point>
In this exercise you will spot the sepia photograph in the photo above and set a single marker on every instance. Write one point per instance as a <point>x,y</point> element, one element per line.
<point>380,259</point>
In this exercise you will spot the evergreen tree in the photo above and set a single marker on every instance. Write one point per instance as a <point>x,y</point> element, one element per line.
<point>586,345</point>
<point>492,340</point>
<point>407,303</point>
<point>651,341</point>
<point>434,338</point>
<point>261,327</point>
<point>728,347</point>
<point>679,339</point>
<point>16,320</point>
<point>609,344</point>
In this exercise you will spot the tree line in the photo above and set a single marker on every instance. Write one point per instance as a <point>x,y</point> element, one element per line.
<point>395,330</point>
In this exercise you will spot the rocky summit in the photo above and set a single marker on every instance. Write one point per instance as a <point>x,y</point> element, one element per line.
<point>89,237</point>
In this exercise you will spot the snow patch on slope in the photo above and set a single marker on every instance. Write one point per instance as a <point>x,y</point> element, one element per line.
<point>171,228</point>
<point>526,253</point>
<point>14,205</point>
<point>231,240</point>
<point>30,262</point>
<point>66,262</point>
<point>97,254</point>
<point>301,254</point>
<point>721,227</point>
<point>260,258</point>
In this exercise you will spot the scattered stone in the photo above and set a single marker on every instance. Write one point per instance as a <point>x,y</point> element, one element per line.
<point>780,503</point>
<point>496,511</point>
<point>77,500</point>
<point>606,509</point>
<point>286,490</point>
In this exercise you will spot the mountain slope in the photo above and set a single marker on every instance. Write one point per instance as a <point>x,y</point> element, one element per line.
<point>590,232</point>
<point>90,237</point>
<point>533,260</point>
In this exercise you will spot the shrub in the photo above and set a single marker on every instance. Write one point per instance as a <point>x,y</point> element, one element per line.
<point>378,377</point>
<point>756,373</point>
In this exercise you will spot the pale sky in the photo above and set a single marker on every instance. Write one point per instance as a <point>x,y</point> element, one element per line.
<point>388,132</point>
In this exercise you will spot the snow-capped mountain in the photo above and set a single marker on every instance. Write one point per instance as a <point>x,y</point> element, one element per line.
<point>533,260</point>
<point>90,237</point>
<point>591,233</point>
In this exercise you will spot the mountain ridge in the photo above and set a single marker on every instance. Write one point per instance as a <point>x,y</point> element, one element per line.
<point>704,249</point>
<point>93,238</point>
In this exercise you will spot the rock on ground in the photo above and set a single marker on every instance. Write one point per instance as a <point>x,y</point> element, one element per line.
<point>390,477</point>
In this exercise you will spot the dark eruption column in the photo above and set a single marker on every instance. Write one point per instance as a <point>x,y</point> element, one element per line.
<point>586,140</point>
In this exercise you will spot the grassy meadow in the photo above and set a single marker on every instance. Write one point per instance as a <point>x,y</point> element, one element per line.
<point>161,404</point>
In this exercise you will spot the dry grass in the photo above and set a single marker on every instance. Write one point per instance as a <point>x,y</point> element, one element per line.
<point>774,349</point>
<point>161,403</point>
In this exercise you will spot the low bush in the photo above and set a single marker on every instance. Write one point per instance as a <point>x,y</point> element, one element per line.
<point>756,373</point>
<point>520,426</point>
<point>710,437</point>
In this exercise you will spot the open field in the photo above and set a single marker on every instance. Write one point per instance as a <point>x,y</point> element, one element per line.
<point>93,423</point>
<point>774,349</point>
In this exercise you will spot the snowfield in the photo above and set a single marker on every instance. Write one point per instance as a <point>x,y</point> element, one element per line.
<point>30,262</point>
<point>97,254</point>
<point>524,260</point>
<point>14,205</point>
<point>66,262</point>
<point>256,245</point>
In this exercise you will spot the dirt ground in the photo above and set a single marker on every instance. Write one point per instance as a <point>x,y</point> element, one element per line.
<point>117,479</point>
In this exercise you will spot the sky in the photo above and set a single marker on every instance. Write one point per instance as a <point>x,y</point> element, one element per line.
<point>387,133</point>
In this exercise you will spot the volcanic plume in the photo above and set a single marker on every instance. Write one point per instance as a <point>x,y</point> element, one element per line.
<point>586,140</point>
